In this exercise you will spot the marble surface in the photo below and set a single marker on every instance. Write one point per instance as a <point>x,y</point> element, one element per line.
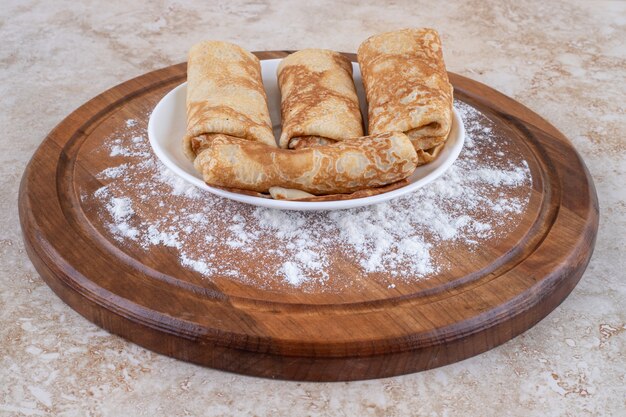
<point>564,60</point>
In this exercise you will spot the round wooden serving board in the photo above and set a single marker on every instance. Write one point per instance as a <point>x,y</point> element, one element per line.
<point>374,331</point>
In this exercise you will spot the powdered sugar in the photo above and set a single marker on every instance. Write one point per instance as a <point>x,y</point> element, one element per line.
<point>292,273</point>
<point>385,238</point>
<point>481,197</point>
<point>113,172</point>
<point>121,210</point>
<point>117,150</point>
<point>179,186</point>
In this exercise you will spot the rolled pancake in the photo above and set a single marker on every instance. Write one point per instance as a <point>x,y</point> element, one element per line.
<point>278,193</point>
<point>225,95</point>
<point>407,87</point>
<point>343,167</point>
<point>319,104</point>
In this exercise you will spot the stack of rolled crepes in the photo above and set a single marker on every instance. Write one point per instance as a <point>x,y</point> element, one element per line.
<point>321,153</point>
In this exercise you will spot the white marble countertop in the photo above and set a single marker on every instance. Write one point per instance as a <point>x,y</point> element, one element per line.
<point>564,60</point>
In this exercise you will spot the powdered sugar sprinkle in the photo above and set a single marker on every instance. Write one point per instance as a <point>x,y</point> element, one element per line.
<point>481,197</point>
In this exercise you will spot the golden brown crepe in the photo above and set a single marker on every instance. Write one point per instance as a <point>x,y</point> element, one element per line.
<point>319,104</point>
<point>288,194</point>
<point>343,167</point>
<point>407,87</point>
<point>230,137</point>
<point>280,193</point>
<point>225,95</point>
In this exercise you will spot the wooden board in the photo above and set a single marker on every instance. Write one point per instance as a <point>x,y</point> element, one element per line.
<point>283,332</point>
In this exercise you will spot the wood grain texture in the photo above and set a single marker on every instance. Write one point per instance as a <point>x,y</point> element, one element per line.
<point>372,333</point>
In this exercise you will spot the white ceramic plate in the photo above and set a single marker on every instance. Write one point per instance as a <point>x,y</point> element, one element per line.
<point>166,129</point>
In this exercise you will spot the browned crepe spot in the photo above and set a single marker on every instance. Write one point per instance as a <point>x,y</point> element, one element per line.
<point>426,156</point>
<point>302,142</point>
